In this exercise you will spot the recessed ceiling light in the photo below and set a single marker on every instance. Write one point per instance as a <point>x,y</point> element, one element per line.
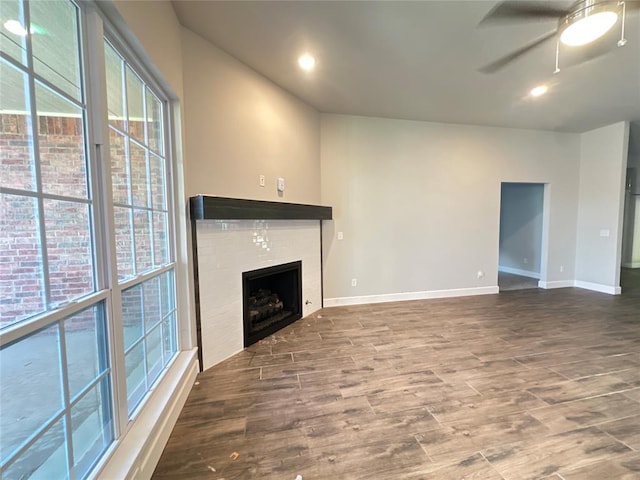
<point>589,28</point>
<point>15,27</point>
<point>306,62</point>
<point>539,90</point>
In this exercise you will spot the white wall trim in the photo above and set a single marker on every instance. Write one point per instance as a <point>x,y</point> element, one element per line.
<point>398,297</point>
<point>517,271</point>
<point>556,284</point>
<point>598,287</point>
<point>138,451</point>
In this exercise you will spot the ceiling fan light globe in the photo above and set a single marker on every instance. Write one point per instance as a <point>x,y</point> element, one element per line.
<point>587,29</point>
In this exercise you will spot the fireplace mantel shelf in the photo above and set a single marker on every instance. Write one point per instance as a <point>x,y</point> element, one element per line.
<point>204,207</point>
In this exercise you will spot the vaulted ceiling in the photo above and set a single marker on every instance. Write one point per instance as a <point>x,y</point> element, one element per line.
<point>419,60</point>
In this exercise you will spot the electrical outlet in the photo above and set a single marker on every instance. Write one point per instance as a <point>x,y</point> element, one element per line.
<point>525,260</point>
<point>262,180</point>
<point>561,268</point>
<point>480,274</point>
<point>340,236</point>
<point>354,282</point>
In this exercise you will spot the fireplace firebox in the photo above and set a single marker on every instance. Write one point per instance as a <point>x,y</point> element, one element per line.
<point>271,300</point>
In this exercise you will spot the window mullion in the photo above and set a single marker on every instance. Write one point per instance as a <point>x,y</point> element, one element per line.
<point>127,147</point>
<point>35,151</point>
<point>66,398</point>
<point>106,256</point>
<point>21,330</point>
<point>147,155</point>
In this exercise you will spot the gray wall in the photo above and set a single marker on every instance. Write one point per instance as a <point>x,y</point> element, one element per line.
<point>419,203</point>
<point>239,125</point>
<point>599,234</point>
<point>521,209</point>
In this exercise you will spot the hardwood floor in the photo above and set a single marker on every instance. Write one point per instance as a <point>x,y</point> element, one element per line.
<point>531,384</point>
<point>509,281</point>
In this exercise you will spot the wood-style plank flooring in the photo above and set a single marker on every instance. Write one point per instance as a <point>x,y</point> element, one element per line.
<point>509,281</point>
<point>531,384</point>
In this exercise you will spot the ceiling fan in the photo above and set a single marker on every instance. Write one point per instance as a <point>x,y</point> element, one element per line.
<point>582,23</point>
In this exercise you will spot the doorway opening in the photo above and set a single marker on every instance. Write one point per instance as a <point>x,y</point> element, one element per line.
<point>521,227</point>
<point>630,258</point>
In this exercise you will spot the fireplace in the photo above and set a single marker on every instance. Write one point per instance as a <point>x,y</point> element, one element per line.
<point>271,300</point>
<point>223,234</point>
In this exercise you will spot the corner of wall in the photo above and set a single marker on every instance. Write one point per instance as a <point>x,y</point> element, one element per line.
<point>603,159</point>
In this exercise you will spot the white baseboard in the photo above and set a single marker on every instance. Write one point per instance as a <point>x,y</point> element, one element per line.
<point>399,297</point>
<point>598,287</point>
<point>517,271</point>
<point>556,284</point>
<point>631,264</point>
<point>137,453</point>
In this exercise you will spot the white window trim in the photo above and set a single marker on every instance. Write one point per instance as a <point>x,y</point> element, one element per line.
<point>138,442</point>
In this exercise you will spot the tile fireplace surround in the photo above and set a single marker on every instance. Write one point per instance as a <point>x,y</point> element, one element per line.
<point>232,236</point>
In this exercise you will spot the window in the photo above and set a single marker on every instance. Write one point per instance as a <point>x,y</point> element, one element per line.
<point>87,276</point>
<point>140,204</point>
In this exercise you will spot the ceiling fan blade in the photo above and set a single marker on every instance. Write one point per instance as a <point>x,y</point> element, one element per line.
<point>502,62</point>
<point>519,10</point>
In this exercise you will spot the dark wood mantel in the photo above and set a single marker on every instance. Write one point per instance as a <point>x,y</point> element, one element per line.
<point>204,207</point>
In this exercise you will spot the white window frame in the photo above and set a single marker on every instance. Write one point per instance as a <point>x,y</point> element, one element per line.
<point>171,387</point>
<point>100,30</point>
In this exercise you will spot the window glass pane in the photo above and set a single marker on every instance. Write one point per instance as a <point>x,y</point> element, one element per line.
<point>115,93</point>
<point>135,105</point>
<point>152,303</point>
<point>158,182</point>
<point>119,168</point>
<point>45,459</point>
<point>21,276</point>
<point>139,184</point>
<point>16,154</point>
<point>136,386</point>
<point>142,228</point>
<point>61,138</point>
<point>160,238</point>
<point>31,392</point>
<point>169,343</point>
<point>91,427</point>
<point>69,250</point>
<point>86,346</point>
<point>55,44</point>
<point>167,293</point>
<point>154,354</point>
<point>132,315</point>
<point>154,123</point>
<point>124,242</point>
<point>142,224</point>
<point>13,35</point>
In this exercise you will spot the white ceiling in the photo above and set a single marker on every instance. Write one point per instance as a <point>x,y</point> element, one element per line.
<point>419,61</point>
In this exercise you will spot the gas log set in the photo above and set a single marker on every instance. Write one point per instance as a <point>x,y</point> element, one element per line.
<point>265,308</point>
